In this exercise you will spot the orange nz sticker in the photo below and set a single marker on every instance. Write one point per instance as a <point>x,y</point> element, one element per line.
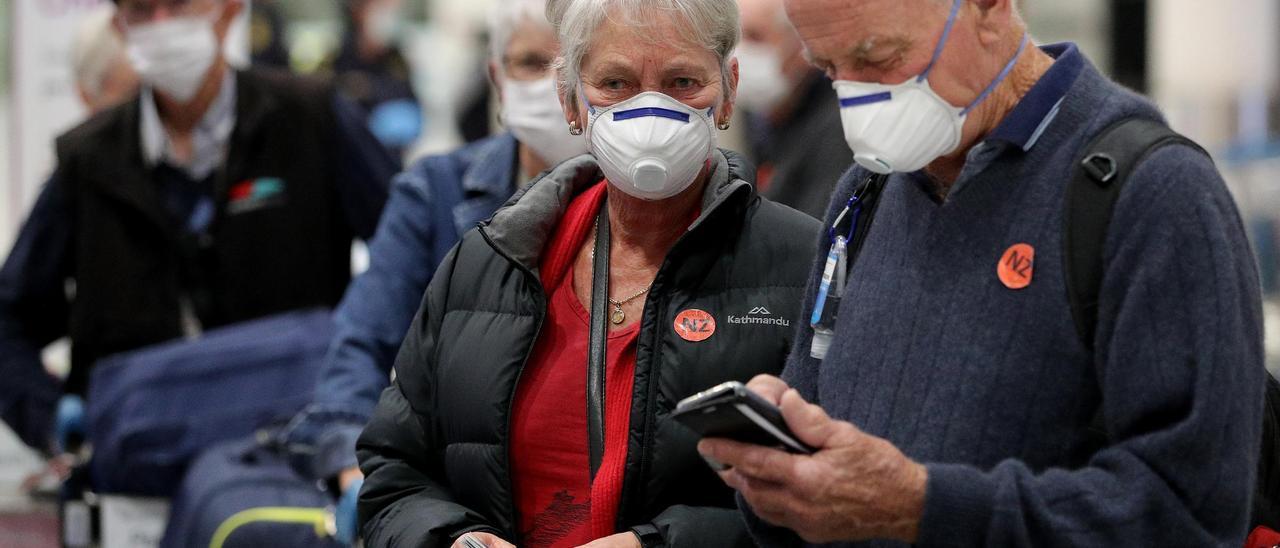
<point>695,325</point>
<point>1016,266</point>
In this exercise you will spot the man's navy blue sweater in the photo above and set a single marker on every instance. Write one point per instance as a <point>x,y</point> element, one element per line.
<point>991,388</point>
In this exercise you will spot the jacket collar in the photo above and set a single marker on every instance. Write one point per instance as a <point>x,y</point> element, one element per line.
<point>487,182</point>
<point>522,226</point>
<point>492,167</point>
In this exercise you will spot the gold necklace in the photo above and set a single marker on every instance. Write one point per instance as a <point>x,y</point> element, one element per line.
<point>617,316</point>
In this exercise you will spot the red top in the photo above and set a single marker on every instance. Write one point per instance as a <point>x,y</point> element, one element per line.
<point>557,502</point>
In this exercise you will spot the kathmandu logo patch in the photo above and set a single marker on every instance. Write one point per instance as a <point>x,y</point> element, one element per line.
<point>759,316</point>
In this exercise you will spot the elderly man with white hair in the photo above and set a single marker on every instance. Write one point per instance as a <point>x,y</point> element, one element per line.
<point>958,398</point>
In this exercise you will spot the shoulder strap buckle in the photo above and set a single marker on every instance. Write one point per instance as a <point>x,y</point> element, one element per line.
<point>1101,167</point>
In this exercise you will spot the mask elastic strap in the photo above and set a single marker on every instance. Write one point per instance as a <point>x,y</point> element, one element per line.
<point>1004,73</point>
<point>942,42</point>
<point>585,103</point>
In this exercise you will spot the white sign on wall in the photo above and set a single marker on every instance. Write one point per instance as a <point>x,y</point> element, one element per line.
<point>43,100</point>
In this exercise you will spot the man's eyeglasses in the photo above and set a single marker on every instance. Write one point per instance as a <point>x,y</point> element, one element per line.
<point>526,67</point>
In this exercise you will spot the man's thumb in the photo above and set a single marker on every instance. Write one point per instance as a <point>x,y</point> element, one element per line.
<point>807,421</point>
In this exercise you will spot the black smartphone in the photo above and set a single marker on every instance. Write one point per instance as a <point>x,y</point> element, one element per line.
<point>730,410</point>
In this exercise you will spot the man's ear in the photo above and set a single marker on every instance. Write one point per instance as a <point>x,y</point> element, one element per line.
<point>994,18</point>
<point>85,97</point>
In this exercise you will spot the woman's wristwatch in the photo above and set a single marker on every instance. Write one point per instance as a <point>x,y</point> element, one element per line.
<point>649,536</point>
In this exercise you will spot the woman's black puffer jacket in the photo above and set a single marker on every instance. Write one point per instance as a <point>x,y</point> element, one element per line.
<point>436,453</point>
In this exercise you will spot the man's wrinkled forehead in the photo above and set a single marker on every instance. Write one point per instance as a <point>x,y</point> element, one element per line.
<point>860,29</point>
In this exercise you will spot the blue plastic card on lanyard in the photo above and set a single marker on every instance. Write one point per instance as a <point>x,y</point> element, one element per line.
<point>831,288</point>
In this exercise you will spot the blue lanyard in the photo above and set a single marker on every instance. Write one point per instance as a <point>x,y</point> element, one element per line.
<point>834,273</point>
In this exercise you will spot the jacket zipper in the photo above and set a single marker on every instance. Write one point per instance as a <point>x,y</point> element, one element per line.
<point>651,394</point>
<point>654,341</point>
<point>511,400</point>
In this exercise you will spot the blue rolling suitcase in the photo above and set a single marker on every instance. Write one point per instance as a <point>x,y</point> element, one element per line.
<point>244,494</point>
<point>152,410</point>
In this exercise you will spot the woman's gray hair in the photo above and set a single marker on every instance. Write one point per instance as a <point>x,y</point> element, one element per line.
<point>505,17</point>
<point>713,24</point>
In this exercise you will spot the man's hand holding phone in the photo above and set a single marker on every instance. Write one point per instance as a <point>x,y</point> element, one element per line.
<point>853,487</point>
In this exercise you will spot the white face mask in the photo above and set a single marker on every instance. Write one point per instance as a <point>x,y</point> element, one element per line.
<point>906,126</point>
<point>531,110</point>
<point>651,146</point>
<point>173,55</point>
<point>761,83</point>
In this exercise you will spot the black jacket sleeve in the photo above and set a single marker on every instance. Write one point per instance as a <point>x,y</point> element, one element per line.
<point>702,526</point>
<point>405,501</point>
<point>33,312</point>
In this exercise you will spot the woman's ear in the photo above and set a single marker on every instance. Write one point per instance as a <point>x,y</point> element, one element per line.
<point>730,92</point>
<point>571,104</point>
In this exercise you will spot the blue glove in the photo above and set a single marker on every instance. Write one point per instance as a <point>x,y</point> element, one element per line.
<point>69,421</point>
<point>344,516</point>
<point>396,123</point>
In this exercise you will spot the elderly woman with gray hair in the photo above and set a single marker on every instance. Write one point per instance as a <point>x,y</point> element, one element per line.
<point>533,393</point>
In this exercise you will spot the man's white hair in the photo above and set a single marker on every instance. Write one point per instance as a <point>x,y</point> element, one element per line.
<point>712,24</point>
<point>96,48</point>
<point>505,17</point>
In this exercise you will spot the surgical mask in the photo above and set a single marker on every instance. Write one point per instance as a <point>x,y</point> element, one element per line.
<point>761,83</point>
<point>531,110</point>
<point>651,146</point>
<point>173,55</point>
<point>906,126</point>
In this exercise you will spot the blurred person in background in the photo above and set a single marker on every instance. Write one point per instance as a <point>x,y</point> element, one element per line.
<point>431,205</point>
<point>104,78</point>
<point>487,429</point>
<point>370,68</point>
<point>212,197</point>
<point>793,120</point>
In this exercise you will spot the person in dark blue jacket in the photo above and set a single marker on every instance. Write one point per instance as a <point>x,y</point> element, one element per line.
<point>213,197</point>
<point>431,205</point>
<point>951,397</point>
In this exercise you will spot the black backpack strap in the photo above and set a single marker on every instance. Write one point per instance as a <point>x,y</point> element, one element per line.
<point>1098,178</point>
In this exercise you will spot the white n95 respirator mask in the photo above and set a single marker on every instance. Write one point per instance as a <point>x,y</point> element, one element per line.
<point>173,55</point>
<point>531,110</point>
<point>906,126</point>
<point>651,146</point>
